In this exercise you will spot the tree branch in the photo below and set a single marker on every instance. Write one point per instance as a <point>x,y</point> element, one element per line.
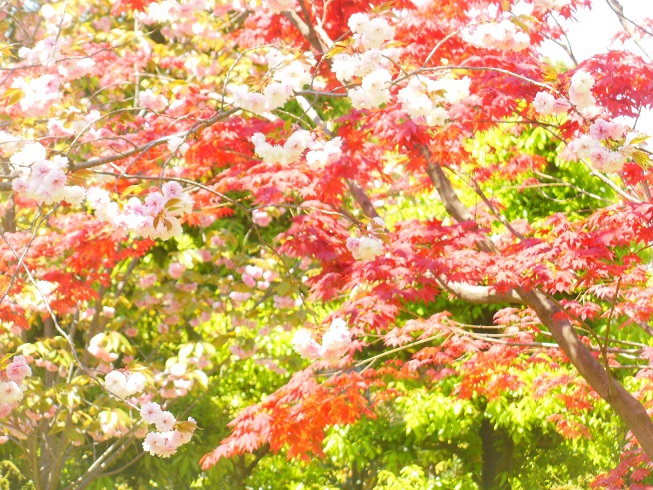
<point>631,411</point>
<point>306,30</point>
<point>480,294</point>
<point>96,162</point>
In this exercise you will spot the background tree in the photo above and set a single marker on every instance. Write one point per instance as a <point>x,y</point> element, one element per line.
<point>450,231</point>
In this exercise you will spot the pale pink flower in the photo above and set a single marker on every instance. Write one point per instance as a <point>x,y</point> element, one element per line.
<point>172,319</point>
<point>166,422</point>
<point>147,281</point>
<point>172,190</point>
<point>151,413</point>
<point>283,302</point>
<point>153,443</point>
<point>249,280</point>
<point>155,203</point>
<point>205,255</point>
<point>116,383</point>
<point>261,218</point>
<point>601,129</point>
<point>278,6</point>
<point>544,103</point>
<point>365,248</point>
<point>152,101</point>
<point>176,270</point>
<point>5,410</point>
<point>336,341</point>
<point>239,296</point>
<point>255,271</point>
<point>10,392</point>
<point>18,369</point>
<point>304,344</point>
<point>135,383</point>
<point>560,106</point>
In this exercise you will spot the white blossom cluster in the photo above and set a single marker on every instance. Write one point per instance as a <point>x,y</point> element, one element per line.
<point>11,384</point>
<point>320,154</point>
<point>177,378</point>
<point>365,248</point>
<point>580,90</point>
<point>41,179</point>
<point>97,348</point>
<point>502,35</point>
<point>423,99</point>
<point>370,33</point>
<point>287,153</point>
<point>590,146</point>
<point>255,276</point>
<point>261,218</point>
<point>152,101</point>
<point>56,19</point>
<point>113,423</point>
<point>250,101</point>
<point>373,92</point>
<point>177,143</point>
<point>181,19</point>
<point>167,439</point>
<point>40,93</point>
<point>290,70</point>
<point>83,125</point>
<point>48,52</point>
<point>171,10</point>
<point>156,217</point>
<point>546,104</point>
<point>44,52</point>
<point>336,342</point>
<point>371,64</point>
<point>124,384</point>
<point>346,67</point>
<point>551,4</point>
<point>74,69</point>
<point>288,75</point>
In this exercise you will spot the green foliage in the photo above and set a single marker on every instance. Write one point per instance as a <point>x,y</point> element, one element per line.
<point>558,187</point>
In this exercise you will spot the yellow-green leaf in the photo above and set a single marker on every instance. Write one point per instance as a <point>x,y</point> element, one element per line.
<point>641,157</point>
<point>12,95</point>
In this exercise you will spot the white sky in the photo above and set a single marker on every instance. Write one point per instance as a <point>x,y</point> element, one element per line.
<point>595,28</point>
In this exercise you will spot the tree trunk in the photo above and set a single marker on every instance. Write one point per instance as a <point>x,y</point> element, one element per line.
<point>498,449</point>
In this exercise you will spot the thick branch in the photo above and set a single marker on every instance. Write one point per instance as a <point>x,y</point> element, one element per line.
<point>631,411</point>
<point>482,295</point>
<point>362,200</point>
<point>306,29</point>
<point>452,204</point>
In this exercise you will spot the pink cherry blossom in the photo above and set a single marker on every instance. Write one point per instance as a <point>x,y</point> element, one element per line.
<point>176,270</point>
